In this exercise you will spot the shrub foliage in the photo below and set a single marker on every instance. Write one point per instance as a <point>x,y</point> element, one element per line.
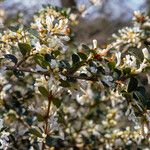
<point>57,93</point>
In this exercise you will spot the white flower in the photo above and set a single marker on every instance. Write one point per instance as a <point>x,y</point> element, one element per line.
<point>38,23</point>
<point>86,96</point>
<point>81,99</point>
<point>146,53</point>
<point>62,77</point>
<point>118,56</point>
<point>137,14</point>
<point>53,123</point>
<point>148,77</point>
<point>4,140</point>
<point>38,46</point>
<point>130,61</point>
<point>4,135</point>
<point>93,69</point>
<point>53,63</point>
<point>142,66</point>
<point>107,79</point>
<point>4,144</point>
<point>94,44</point>
<point>130,36</point>
<point>49,22</point>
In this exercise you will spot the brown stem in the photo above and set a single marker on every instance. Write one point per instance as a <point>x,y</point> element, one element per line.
<point>23,60</point>
<point>46,118</point>
<point>47,73</point>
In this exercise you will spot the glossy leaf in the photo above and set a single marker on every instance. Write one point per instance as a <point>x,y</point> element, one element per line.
<point>75,58</point>
<point>56,102</point>
<point>11,58</point>
<point>24,48</point>
<point>43,91</point>
<point>35,132</point>
<point>133,83</point>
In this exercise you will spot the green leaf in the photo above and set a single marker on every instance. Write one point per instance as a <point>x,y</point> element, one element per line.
<point>76,66</point>
<point>56,53</point>
<point>75,58</point>
<point>18,73</point>
<point>82,55</point>
<point>64,83</point>
<point>133,83</point>
<point>43,91</point>
<point>64,64</point>
<point>83,75</point>
<point>127,71</point>
<point>36,132</point>
<point>11,57</point>
<point>142,90</point>
<point>116,74</point>
<point>112,65</point>
<point>24,48</point>
<point>56,102</point>
<point>40,60</point>
<point>34,32</point>
<point>51,141</point>
<point>139,96</point>
<point>48,57</point>
<point>14,28</point>
<point>40,117</point>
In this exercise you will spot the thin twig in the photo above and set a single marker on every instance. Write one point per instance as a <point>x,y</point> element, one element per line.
<point>46,118</point>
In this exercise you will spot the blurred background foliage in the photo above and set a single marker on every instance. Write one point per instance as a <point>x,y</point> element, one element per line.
<point>98,18</point>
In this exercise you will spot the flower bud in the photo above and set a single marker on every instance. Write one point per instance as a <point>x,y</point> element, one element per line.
<point>94,44</point>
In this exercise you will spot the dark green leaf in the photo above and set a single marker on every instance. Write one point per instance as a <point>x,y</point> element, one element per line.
<point>116,74</point>
<point>51,141</point>
<point>75,58</point>
<point>82,55</point>
<point>18,73</point>
<point>132,86</point>
<point>139,96</point>
<point>64,64</point>
<point>112,65</point>
<point>40,60</point>
<point>83,75</point>
<point>56,102</point>
<point>40,118</point>
<point>127,71</point>
<point>11,57</point>
<point>76,66</point>
<point>142,90</point>
<point>34,32</point>
<point>56,53</point>
<point>48,57</point>
<point>64,83</point>
<point>35,132</point>
<point>24,48</point>
<point>14,28</point>
<point>43,91</point>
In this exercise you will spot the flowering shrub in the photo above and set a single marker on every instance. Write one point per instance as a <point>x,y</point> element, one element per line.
<point>56,93</point>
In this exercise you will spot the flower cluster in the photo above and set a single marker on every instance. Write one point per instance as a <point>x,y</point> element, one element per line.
<point>53,30</point>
